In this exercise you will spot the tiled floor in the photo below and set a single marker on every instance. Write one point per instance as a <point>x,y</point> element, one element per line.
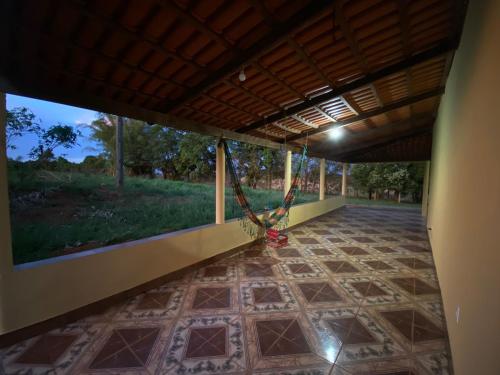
<point>354,293</point>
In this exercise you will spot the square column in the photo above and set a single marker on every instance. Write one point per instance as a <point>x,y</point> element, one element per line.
<point>322,167</point>
<point>288,172</point>
<point>425,188</point>
<point>6,260</point>
<point>220,184</point>
<point>344,179</point>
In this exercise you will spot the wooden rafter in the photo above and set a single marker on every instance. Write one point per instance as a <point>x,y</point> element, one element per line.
<point>325,114</point>
<point>246,57</point>
<point>356,51</point>
<point>304,121</point>
<point>439,50</point>
<point>372,113</point>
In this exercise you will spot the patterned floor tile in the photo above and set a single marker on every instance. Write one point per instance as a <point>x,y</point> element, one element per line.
<point>282,340</point>
<point>211,298</point>
<point>371,291</point>
<point>338,267</point>
<point>320,293</point>
<point>266,296</point>
<point>54,352</point>
<point>126,348</point>
<point>351,334</point>
<point>301,269</point>
<point>358,283</point>
<point>164,302</point>
<point>208,345</point>
<point>216,273</point>
<point>252,271</point>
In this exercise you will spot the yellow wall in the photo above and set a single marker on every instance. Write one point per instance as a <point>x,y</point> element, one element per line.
<point>41,290</point>
<point>464,201</point>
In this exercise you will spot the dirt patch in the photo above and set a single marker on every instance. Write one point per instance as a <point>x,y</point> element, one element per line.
<point>57,208</point>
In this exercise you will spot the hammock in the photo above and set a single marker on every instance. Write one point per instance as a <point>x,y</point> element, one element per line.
<point>240,197</point>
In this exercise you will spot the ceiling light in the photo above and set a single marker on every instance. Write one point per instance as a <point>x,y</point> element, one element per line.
<point>242,76</point>
<point>336,133</point>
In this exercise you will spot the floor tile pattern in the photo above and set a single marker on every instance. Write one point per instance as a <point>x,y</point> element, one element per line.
<point>354,292</point>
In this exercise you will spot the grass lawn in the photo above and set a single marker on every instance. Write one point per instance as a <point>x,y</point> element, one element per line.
<point>382,202</point>
<point>54,213</point>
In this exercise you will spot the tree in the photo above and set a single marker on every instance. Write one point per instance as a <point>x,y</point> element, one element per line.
<point>196,158</point>
<point>400,178</point>
<point>56,136</point>
<point>20,121</point>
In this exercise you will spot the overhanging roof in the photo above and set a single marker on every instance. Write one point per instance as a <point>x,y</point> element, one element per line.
<point>376,68</point>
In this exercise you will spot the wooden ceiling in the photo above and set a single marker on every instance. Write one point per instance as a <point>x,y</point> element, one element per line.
<point>374,68</point>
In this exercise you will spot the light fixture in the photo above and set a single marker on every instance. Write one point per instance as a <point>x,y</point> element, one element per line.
<point>242,76</point>
<point>336,133</point>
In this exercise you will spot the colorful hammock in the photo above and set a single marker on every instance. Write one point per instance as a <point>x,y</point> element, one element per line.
<point>240,197</point>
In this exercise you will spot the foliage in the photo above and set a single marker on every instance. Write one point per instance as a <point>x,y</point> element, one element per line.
<point>56,136</point>
<point>401,178</point>
<point>196,157</point>
<point>20,121</point>
<point>55,213</point>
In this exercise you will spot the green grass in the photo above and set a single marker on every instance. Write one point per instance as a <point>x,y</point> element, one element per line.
<point>382,202</point>
<point>55,213</point>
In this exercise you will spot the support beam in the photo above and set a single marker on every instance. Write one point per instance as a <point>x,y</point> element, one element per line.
<point>119,153</point>
<point>441,49</point>
<point>365,115</point>
<point>425,188</point>
<point>345,166</point>
<point>322,167</point>
<point>220,184</point>
<point>59,95</point>
<point>288,172</point>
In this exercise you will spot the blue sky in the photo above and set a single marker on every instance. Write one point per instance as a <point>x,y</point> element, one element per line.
<point>49,114</point>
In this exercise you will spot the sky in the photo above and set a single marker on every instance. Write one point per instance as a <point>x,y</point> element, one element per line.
<point>49,114</point>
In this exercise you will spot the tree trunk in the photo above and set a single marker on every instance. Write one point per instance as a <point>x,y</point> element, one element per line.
<point>119,153</point>
<point>399,197</point>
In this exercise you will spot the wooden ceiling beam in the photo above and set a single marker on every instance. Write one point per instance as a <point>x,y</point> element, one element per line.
<point>304,121</point>
<point>439,50</point>
<point>307,59</point>
<point>357,141</point>
<point>372,113</point>
<point>135,35</point>
<point>356,52</point>
<point>57,94</point>
<point>275,36</point>
<point>325,114</point>
<point>286,128</point>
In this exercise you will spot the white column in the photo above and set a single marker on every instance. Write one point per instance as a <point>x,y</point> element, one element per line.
<point>322,167</point>
<point>5,237</point>
<point>288,172</point>
<point>425,192</point>
<point>220,184</point>
<point>344,179</point>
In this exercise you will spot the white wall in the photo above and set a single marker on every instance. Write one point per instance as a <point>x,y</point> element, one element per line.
<point>464,200</point>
